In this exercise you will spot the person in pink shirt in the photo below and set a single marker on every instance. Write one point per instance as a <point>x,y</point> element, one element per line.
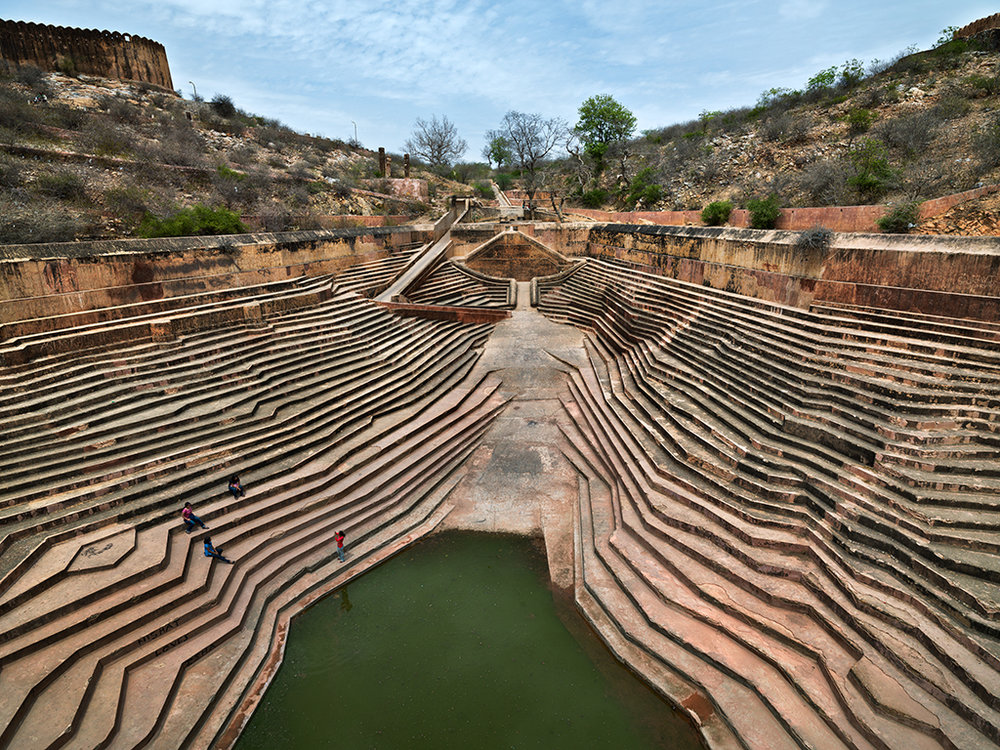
<point>190,519</point>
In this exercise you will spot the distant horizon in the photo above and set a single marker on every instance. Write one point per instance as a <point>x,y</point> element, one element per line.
<point>334,68</point>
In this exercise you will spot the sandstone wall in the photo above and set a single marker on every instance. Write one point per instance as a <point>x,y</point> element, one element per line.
<point>977,27</point>
<point>949,276</point>
<point>101,53</point>
<point>834,218</point>
<point>66,278</point>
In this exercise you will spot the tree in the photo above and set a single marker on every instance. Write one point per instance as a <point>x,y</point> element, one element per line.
<point>603,123</point>
<point>531,138</point>
<point>497,150</point>
<point>436,142</point>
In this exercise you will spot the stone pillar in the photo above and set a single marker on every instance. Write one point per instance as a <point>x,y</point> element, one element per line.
<point>381,161</point>
<point>406,165</point>
<point>388,166</point>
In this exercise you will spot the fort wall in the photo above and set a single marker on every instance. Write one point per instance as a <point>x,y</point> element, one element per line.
<point>110,54</point>
<point>979,26</point>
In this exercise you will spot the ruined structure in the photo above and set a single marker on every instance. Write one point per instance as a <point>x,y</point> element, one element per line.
<point>989,23</point>
<point>767,474</point>
<point>110,54</point>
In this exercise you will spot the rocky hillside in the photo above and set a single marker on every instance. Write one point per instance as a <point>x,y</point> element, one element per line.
<point>922,126</point>
<point>85,157</point>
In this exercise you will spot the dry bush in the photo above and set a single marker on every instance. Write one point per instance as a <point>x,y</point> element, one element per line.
<point>37,222</point>
<point>785,128</point>
<point>127,203</point>
<point>62,184</point>
<point>180,145</point>
<point>105,138</point>
<point>909,134</point>
<point>824,183</point>
<point>274,217</point>
<point>11,171</point>
<point>121,110</point>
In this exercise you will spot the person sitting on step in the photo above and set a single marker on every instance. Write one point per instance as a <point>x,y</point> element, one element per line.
<point>235,487</point>
<point>211,551</point>
<point>190,519</point>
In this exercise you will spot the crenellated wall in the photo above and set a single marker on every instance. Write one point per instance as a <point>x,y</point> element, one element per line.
<point>110,54</point>
<point>979,26</point>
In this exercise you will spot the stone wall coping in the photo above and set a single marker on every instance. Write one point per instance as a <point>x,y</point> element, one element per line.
<point>921,243</point>
<point>53,250</point>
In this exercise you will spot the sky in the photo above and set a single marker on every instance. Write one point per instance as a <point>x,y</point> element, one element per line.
<point>339,67</point>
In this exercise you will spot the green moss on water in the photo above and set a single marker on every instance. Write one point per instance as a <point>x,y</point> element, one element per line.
<point>455,643</point>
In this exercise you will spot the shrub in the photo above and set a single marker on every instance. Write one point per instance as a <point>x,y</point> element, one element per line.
<point>66,65</point>
<point>103,138</point>
<point>63,185</point>
<point>595,198</point>
<point>814,238</point>
<point>764,212</point>
<point>951,106</point>
<point>503,180</point>
<point>223,106</point>
<point>643,189</point>
<point>484,189</point>
<point>716,213</point>
<point>987,143</point>
<point>871,173</point>
<point>990,85</point>
<point>128,203</point>
<point>121,110</point>
<point>10,172</point>
<point>274,217</point>
<point>34,78</point>
<point>859,121</point>
<point>39,223</point>
<point>910,133</point>
<point>900,218</point>
<point>784,127</point>
<point>195,221</point>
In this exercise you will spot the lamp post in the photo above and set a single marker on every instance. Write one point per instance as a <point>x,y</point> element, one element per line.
<point>355,130</point>
<point>194,88</point>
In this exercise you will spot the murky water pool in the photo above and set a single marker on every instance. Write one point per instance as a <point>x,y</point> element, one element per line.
<point>456,643</point>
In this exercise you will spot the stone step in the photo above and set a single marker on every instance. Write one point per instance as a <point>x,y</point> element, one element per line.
<point>792,598</point>
<point>409,478</point>
<point>748,536</point>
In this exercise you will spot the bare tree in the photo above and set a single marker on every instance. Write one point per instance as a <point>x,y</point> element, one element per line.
<point>531,138</point>
<point>436,142</point>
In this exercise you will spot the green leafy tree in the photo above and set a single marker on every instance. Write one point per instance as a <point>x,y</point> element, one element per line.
<point>603,124</point>
<point>497,150</point>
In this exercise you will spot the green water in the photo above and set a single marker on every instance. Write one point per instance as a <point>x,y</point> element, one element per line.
<point>456,643</point>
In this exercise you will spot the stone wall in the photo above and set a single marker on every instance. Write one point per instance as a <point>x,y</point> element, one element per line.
<point>977,27</point>
<point>948,276</point>
<point>834,218</point>
<point>62,278</point>
<point>101,53</point>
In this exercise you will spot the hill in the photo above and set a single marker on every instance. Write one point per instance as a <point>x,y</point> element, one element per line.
<point>924,125</point>
<point>88,158</point>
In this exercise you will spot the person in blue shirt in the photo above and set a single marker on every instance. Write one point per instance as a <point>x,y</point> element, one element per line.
<point>211,551</point>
